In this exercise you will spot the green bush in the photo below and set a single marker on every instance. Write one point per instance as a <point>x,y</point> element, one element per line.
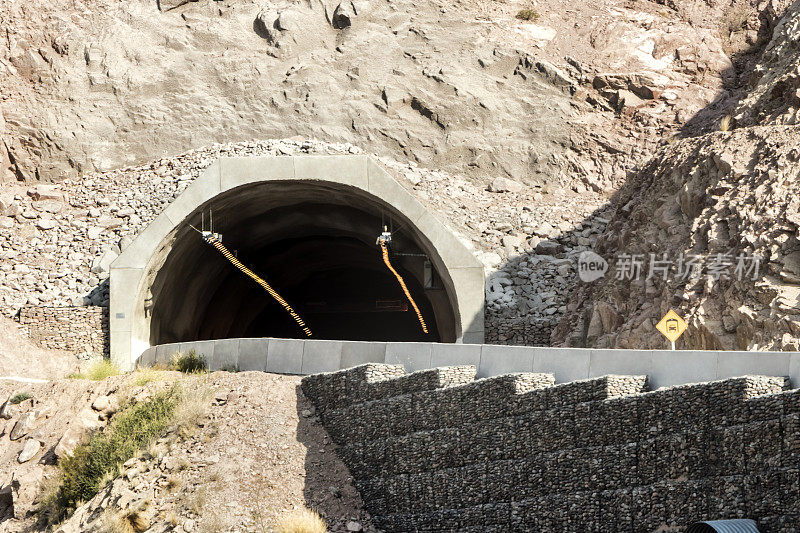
<point>189,362</point>
<point>528,14</point>
<point>101,369</point>
<point>130,431</point>
<point>20,397</point>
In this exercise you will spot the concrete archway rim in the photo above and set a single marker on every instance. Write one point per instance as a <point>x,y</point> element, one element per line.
<point>131,270</point>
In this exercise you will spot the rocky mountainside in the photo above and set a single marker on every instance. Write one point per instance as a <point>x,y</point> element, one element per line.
<point>724,198</point>
<point>574,95</point>
<point>517,132</point>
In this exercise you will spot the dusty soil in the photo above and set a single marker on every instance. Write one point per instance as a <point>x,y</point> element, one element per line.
<point>20,357</point>
<point>253,456</point>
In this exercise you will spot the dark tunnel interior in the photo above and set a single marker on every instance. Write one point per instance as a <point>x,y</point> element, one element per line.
<point>316,247</point>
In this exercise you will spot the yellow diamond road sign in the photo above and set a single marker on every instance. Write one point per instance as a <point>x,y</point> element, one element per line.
<point>672,326</point>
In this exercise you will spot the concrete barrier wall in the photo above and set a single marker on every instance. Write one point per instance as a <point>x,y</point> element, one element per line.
<point>663,367</point>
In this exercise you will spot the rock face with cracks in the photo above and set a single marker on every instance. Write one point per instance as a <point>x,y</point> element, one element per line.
<point>466,87</point>
<point>717,197</point>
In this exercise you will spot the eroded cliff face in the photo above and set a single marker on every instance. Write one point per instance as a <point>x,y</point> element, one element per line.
<point>724,197</point>
<point>573,96</point>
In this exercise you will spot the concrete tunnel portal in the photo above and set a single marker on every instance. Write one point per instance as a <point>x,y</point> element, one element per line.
<point>315,245</point>
<point>308,226</point>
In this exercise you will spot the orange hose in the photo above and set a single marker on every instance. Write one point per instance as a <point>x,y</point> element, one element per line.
<point>213,241</point>
<point>402,284</point>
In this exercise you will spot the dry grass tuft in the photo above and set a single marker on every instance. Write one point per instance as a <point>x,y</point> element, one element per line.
<point>300,521</point>
<point>192,408</point>
<point>196,501</point>
<point>101,369</point>
<point>136,521</point>
<point>132,521</point>
<point>725,123</point>
<point>173,483</point>
<point>146,374</point>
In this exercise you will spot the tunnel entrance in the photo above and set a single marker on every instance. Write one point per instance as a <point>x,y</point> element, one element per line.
<point>338,285</point>
<point>321,257</point>
<point>308,225</point>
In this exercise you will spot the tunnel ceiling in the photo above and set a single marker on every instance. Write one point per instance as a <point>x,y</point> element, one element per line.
<point>313,243</point>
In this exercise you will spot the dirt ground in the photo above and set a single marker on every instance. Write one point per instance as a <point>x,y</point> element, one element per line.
<point>20,357</point>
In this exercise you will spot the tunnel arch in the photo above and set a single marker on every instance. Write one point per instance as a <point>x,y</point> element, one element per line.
<point>308,225</point>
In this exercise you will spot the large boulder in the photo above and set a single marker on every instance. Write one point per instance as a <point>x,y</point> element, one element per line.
<point>23,426</point>
<point>29,451</point>
<point>505,185</point>
<point>343,15</point>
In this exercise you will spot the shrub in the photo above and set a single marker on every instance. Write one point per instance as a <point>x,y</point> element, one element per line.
<point>20,397</point>
<point>100,369</point>
<point>300,521</point>
<point>76,375</point>
<point>131,430</point>
<point>528,14</point>
<point>189,362</point>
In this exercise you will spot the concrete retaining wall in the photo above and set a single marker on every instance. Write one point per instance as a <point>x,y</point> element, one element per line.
<point>663,367</point>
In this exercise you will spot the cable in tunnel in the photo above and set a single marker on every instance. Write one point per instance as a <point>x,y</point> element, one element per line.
<point>383,241</point>
<point>214,240</point>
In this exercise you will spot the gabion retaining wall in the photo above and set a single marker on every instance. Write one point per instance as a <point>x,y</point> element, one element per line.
<point>517,331</point>
<point>76,329</point>
<point>437,451</point>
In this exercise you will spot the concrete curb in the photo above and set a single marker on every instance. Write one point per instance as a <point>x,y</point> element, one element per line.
<point>663,367</point>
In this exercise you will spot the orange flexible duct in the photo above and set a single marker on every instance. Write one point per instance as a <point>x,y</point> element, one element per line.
<point>211,239</point>
<point>385,250</point>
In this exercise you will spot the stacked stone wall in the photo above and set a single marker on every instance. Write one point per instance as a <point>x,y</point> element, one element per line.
<point>517,453</point>
<point>518,331</point>
<point>76,329</point>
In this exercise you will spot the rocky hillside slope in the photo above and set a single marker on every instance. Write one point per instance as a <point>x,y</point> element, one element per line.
<point>573,95</point>
<point>719,197</point>
<point>258,450</point>
<point>516,132</point>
